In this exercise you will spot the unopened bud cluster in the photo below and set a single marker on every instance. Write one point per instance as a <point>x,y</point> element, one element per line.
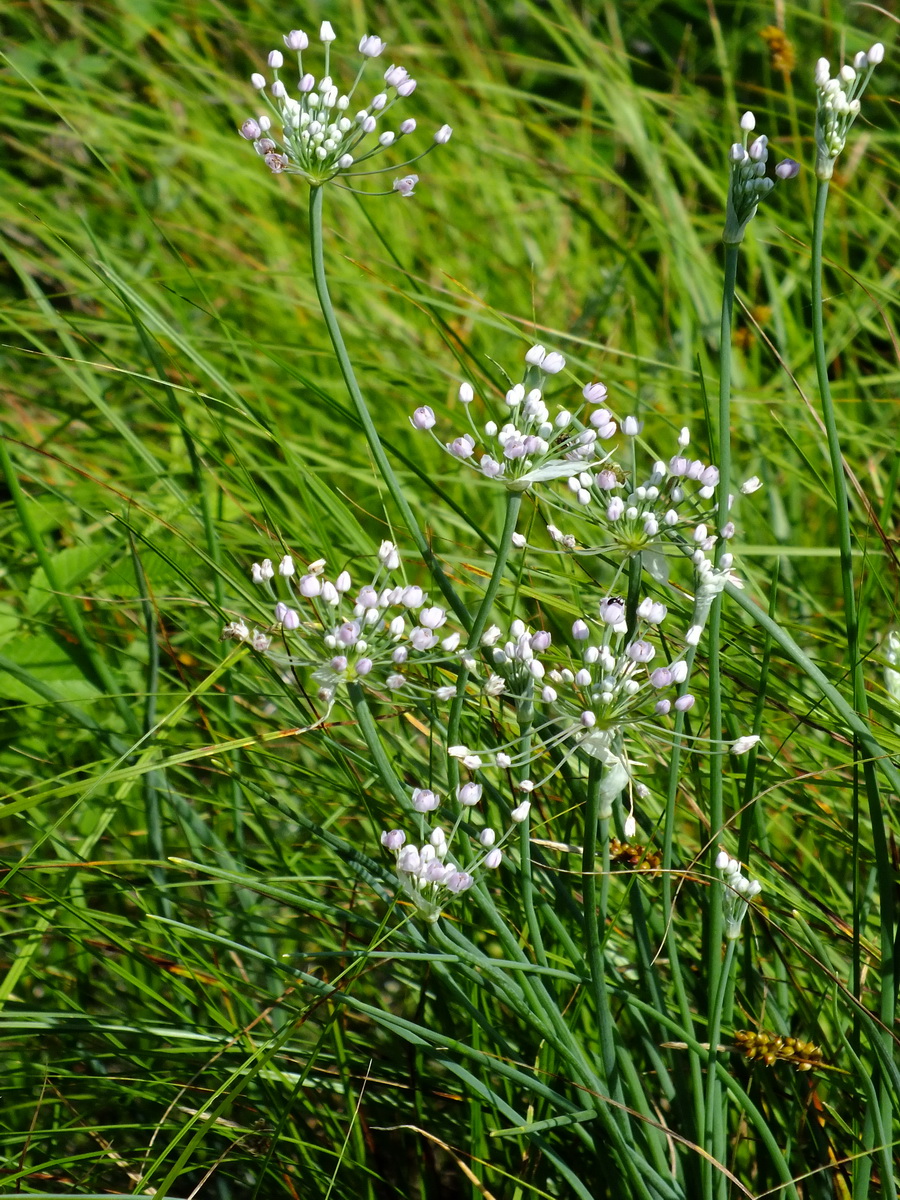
<point>428,873</point>
<point>325,133</point>
<point>839,104</point>
<point>749,183</point>
<point>739,891</point>
<point>368,635</point>
<point>525,444</point>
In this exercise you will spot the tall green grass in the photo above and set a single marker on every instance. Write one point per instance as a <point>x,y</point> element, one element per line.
<point>207,990</point>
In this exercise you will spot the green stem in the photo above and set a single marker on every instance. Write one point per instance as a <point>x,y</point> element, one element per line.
<point>316,245</point>
<point>851,621</point>
<point>716,761</point>
<point>513,504</point>
<point>714,1134</point>
<point>592,917</point>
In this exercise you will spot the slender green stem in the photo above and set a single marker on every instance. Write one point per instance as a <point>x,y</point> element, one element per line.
<point>477,628</point>
<point>592,917</point>
<point>525,715</point>
<point>714,1134</point>
<point>717,761</point>
<point>851,621</point>
<point>316,243</point>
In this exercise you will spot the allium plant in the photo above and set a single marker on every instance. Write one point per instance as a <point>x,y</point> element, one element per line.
<point>510,710</point>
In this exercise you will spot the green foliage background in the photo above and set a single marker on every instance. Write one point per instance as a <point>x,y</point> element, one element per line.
<point>174,412</point>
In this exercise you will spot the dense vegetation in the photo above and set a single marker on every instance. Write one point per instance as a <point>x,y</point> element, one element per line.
<point>187,876</point>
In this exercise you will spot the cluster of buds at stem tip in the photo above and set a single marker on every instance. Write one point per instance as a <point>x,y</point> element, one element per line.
<point>839,103</point>
<point>428,873</point>
<point>370,635</point>
<point>324,132</point>
<point>749,183</point>
<point>527,444</point>
<point>739,891</point>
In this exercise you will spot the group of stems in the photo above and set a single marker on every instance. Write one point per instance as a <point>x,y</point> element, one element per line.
<point>709,1115</point>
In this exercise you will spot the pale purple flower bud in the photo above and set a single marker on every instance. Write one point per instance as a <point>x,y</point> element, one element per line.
<point>432,618</point>
<point>394,75</point>
<point>395,682</point>
<point>737,153</point>
<point>423,418</point>
<point>787,169</point>
<point>343,583</point>
<point>748,122</point>
<point>339,663</point>
<point>685,702</point>
<point>459,881</point>
<point>424,800</point>
<point>493,858</point>
<point>743,744</point>
<point>823,70</point>
<point>393,839</point>
<point>710,476</point>
<point>371,46</point>
<point>296,40</point>
<point>723,861</point>
<point>286,567</point>
<point>290,620</point>
<point>553,363</point>
<point>348,634</point>
<point>412,596</point>
<point>679,671</point>
<point>535,356</point>
<point>276,59</point>
<point>367,124</point>
<point>540,641</point>
<point>405,185</point>
<point>386,138</point>
<point>469,793</point>
<point>548,695</point>
<point>875,54</point>
<point>612,612</point>
<point>583,677</point>
<point>487,837</point>
<point>580,631</point>
<point>250,130</point>
<point>631,426</point>
<point>461,447</point>
<point>364,666</point>
<point>443,135</point>
<point>595,393</point>
<point>310,585</point>
<point>258,81</point>
<point>408,126</point>
<point>278,90</point>
<point>661,677</point>
<point>400,655</point>
<point>519,814</point>
<point>307,83</point>
<point>450,643</point>
<point>406,88</point>
<point>641,652</point>
<point>588,719</point>
<point>388,556</point>
<point>759,151</point>
<point>466,392</point>
<point>280,610</point>
<point>662,708</point>
<point>326,33</point>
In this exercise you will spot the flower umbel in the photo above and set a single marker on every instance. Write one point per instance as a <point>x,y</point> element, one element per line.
<point>368,635</point>
<point>749,184</point>
<point>839,104</point>
<point>530,446</point>
<point>320,136</point>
